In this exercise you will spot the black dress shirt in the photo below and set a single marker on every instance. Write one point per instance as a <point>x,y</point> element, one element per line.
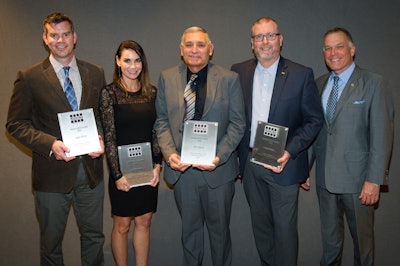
<point>200,86</point>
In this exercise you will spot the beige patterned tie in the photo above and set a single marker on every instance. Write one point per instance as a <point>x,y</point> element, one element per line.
<point>190,98</point>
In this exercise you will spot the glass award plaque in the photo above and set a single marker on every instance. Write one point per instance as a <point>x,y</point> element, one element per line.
<point>269,144</point>
<point>199,142</point>
<point>79,132</point>
<point>136,163</point>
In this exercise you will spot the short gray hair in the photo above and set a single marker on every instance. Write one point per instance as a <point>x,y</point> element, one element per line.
<point>196,29</point>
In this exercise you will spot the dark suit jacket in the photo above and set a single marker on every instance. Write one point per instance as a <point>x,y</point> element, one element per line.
<point>357,146</point>
<point>32,119</point>
<point>295,104</point>
<point>224,104</point>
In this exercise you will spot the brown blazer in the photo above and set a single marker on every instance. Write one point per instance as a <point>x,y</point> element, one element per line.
<point>32,119</point>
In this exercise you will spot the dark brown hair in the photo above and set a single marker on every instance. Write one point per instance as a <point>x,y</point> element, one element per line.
<point>56,18</point>
<point>144,77</point>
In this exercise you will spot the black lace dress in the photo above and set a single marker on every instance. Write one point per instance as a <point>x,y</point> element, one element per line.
<point>128,119</point>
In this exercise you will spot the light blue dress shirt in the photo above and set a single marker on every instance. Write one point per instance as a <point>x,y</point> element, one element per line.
<point>343,79</point>
<point>263,86</point>
<point>74,76</point>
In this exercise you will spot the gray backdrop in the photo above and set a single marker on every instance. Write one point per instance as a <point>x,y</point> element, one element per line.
<point>157,25</point>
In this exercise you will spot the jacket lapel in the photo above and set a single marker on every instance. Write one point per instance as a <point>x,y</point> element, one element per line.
<point>280,78</point>
<point>180,83</point>
<point>347,91</point>
<point>321,90</point>
<point>85,78</point>
<point>51,76</point>
<point>248,94</point>
<point>212,87</point>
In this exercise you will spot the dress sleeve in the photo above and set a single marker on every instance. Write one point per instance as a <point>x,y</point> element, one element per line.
<point>106,106</point>
<point>156,150</point>
<point>157,155</point>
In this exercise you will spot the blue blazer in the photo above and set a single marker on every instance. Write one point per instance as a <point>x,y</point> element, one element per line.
<point>295,104</point>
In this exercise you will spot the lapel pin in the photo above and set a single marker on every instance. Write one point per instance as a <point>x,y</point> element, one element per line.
<point>283,73</point>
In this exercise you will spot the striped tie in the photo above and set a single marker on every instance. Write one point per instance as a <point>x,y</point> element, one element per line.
<point>190,98</point>
<point>69,90</point>
<point>332,100</point>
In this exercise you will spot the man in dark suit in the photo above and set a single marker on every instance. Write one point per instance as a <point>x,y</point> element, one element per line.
<point>60,181</point>
<point>352,151</point>
<point>203,193</point>
<point>278,91</point>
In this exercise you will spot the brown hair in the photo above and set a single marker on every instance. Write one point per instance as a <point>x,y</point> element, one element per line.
<point>56,17</point>
<point>144,77</point>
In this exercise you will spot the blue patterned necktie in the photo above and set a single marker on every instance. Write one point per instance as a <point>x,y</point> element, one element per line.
<point>332,100</point>
<point>190,98</point>
<point>69,90</point>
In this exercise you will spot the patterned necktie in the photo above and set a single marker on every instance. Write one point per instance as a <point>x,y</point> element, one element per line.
<point>190,98</point>
<point>69,90</point>
<point>332,100</point>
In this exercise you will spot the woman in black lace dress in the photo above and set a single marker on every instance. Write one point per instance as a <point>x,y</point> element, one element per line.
<point>128,114</point>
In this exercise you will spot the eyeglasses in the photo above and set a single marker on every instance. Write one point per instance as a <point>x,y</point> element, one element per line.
<point>260,37</point>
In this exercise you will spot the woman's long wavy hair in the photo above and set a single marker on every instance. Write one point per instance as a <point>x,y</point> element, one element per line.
<point>144,77</point>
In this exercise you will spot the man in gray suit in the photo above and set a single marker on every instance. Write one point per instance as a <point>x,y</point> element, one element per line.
<point>352,151</point>
<point>203,193</point>
<point>60,181</point>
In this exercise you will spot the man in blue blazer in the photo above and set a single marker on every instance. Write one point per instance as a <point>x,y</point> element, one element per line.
<point>352,151</point>
<point>203,193</point>
<point>278,91</point>
<point>60,181</point>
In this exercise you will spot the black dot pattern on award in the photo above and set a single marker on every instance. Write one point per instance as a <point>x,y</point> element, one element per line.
<point>271,131</point>
<point>135,151</point>
<point>199,128</point>
<point>76,118</point>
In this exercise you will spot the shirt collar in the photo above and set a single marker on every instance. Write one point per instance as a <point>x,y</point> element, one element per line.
<point>59,67</point>
<point>201,75</point>
<point>345,75</point>
<point>270,70</point>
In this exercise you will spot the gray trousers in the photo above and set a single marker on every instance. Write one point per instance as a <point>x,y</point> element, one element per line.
<point>198,204</point>
<point>52,211</point>
<point>360,219</point>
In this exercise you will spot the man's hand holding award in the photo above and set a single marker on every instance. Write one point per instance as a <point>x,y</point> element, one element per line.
<point>199,144</point>
<point>79,132</point>
<point>269,146</point>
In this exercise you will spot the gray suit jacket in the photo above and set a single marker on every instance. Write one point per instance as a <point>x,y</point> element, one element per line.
<point>224,104</point>
<point>32,119</point>
<point>357,146</point>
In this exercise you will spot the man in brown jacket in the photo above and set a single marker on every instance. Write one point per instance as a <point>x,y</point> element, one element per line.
<point>60,181</point>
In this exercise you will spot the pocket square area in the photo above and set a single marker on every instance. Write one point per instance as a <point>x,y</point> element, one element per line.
<point>359,102</point>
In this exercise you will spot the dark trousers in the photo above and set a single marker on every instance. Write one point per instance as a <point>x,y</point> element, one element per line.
<point>52,211</point>
<point>273,211</point>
